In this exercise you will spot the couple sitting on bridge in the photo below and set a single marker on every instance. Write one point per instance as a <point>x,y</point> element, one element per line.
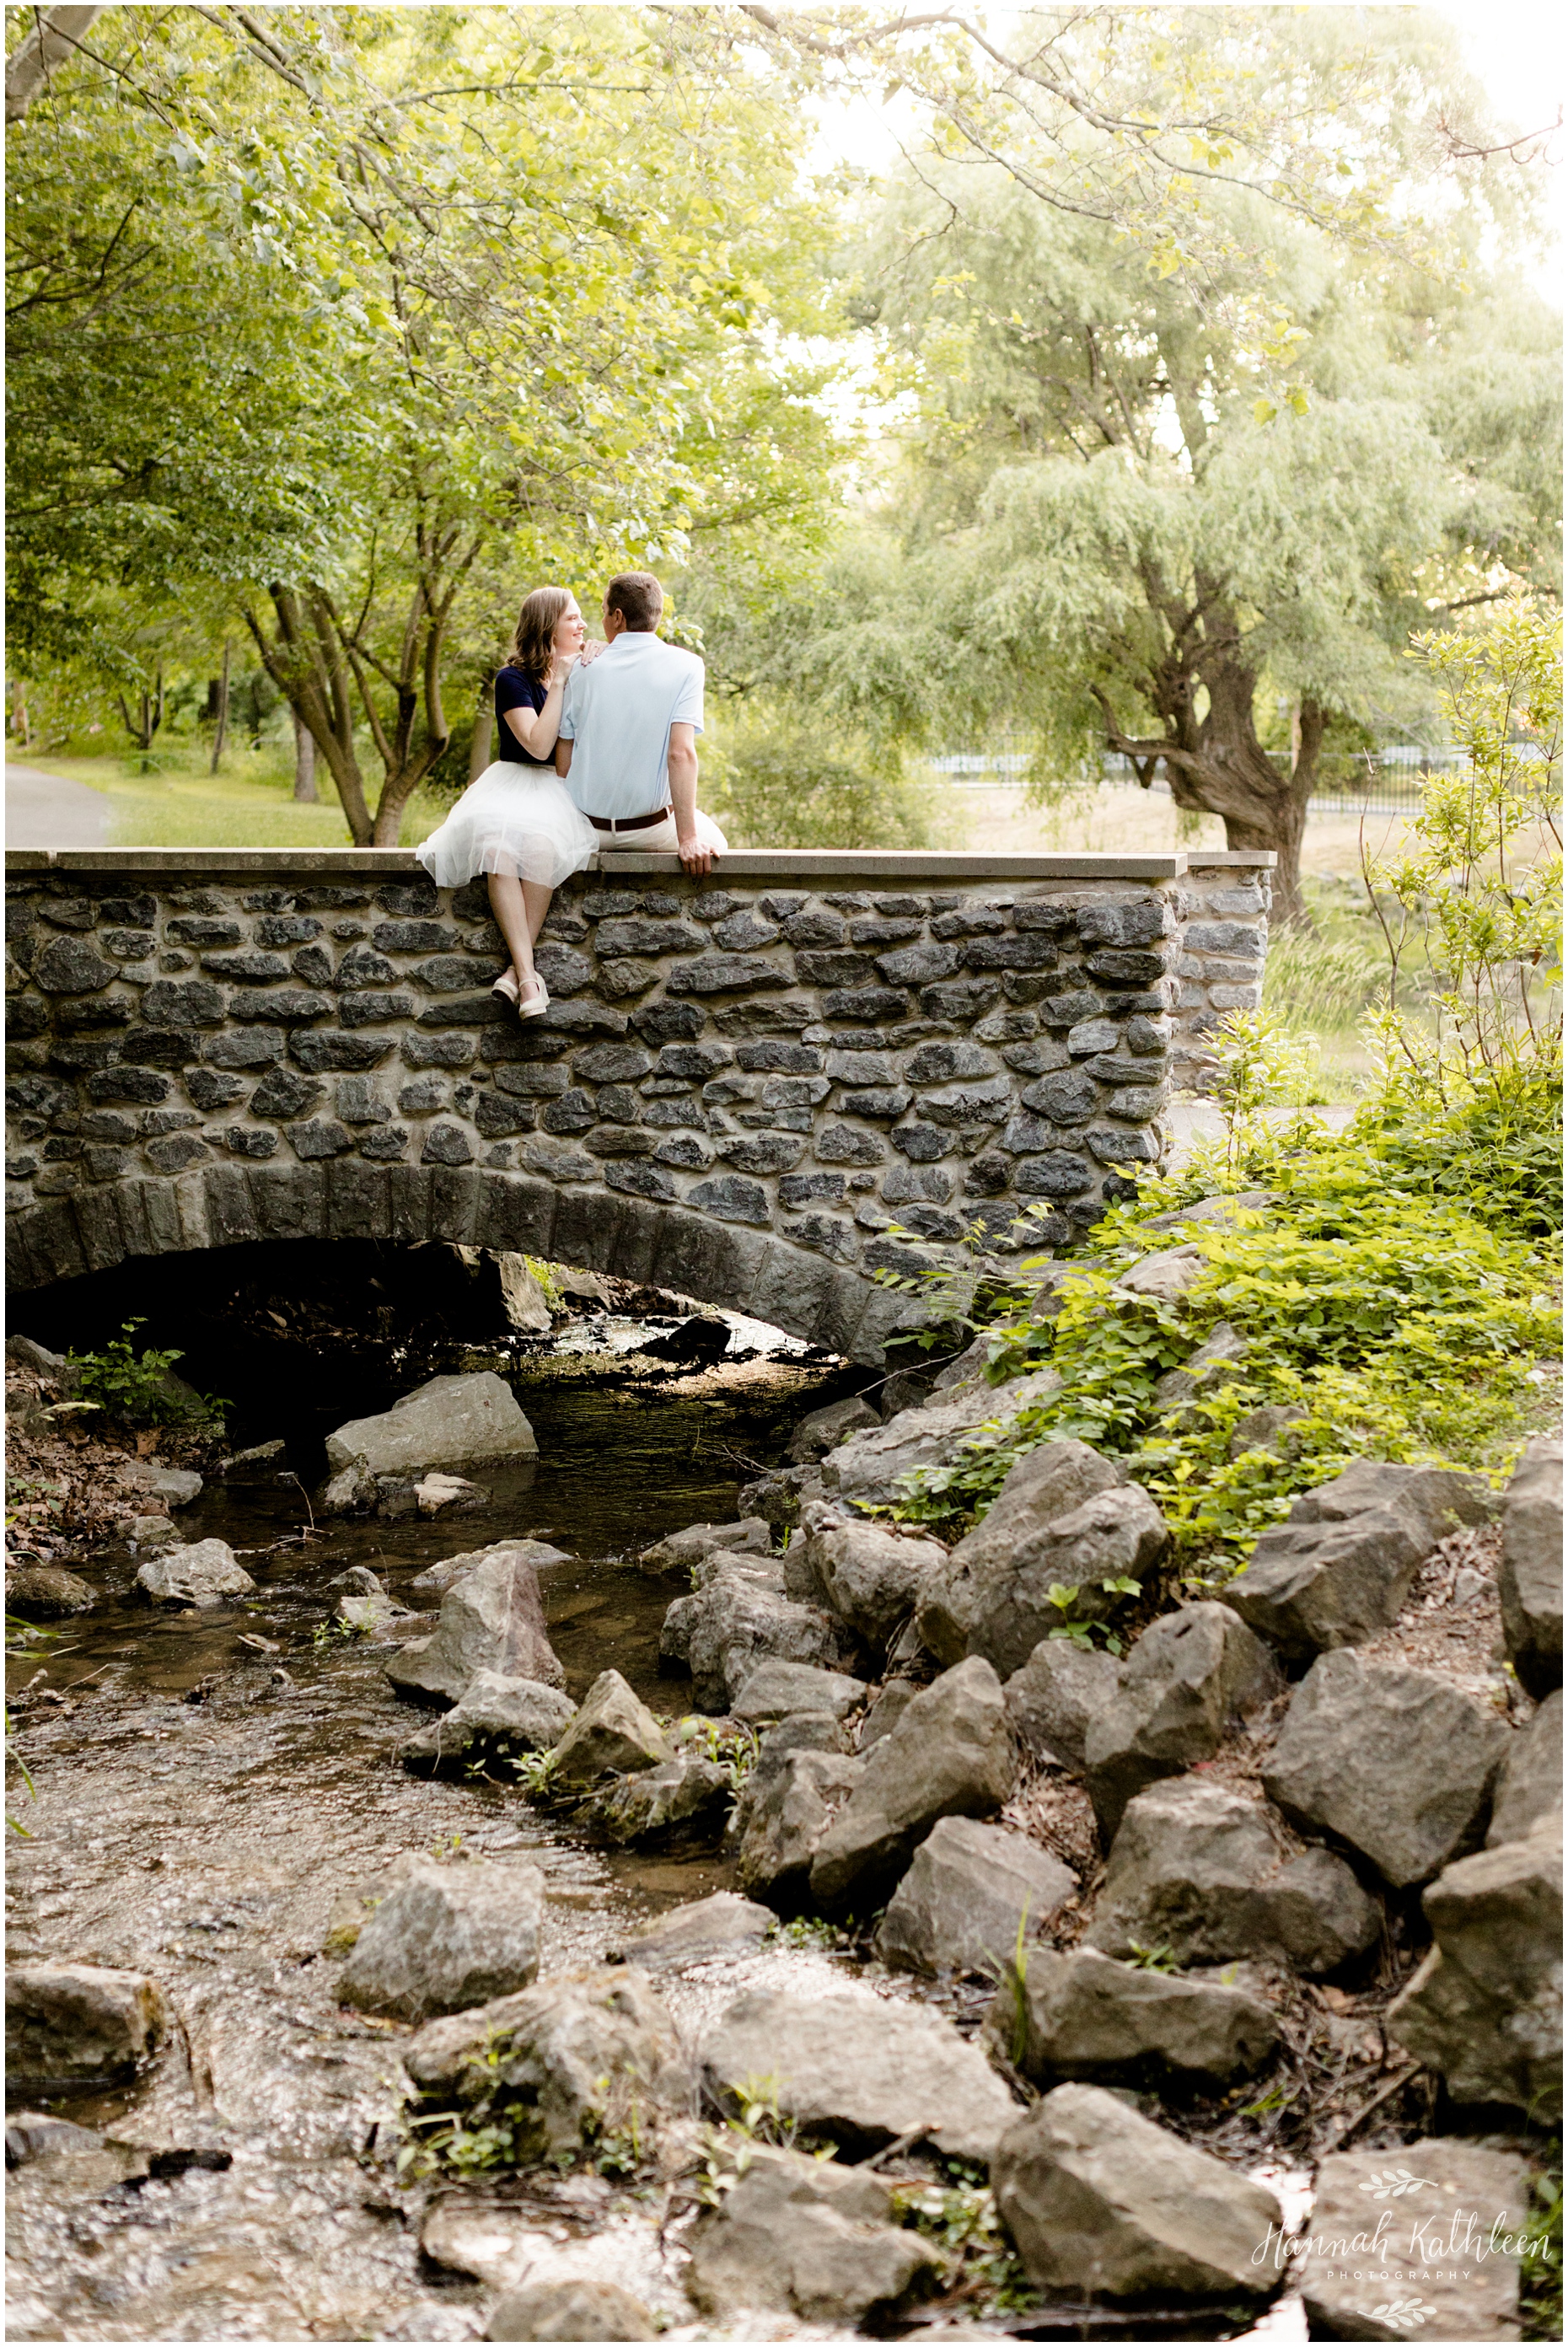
<point>598,750</point>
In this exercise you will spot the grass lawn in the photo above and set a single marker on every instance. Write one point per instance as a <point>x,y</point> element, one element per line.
<point>249,803</point>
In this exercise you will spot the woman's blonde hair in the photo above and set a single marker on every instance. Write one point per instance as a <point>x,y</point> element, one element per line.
<point>533,646</point>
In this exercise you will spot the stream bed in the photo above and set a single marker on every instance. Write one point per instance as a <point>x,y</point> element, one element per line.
<point>209,1783</point>
<point>204,1784</point>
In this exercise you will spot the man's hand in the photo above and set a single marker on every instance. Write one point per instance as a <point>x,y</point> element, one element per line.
<point>694,853</point>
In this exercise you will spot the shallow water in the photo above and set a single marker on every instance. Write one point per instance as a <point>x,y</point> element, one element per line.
<point>195,1816</point>
<point>214,1779</point>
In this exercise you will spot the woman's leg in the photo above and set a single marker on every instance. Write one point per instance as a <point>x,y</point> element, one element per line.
<point>519,906</point>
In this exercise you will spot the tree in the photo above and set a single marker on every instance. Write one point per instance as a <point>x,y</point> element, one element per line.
<point>1107,533</point>
<point>497,297</point>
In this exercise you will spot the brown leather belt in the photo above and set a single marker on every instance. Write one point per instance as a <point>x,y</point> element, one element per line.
<point>631,822</point>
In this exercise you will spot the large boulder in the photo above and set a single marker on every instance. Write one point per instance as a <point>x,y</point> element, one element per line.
<point>356,1901</point>
<point>700,1931</point>
<point>584,2055</point>
<point>971,1894</point>
<point>1199,1868</point>
<point>613,1731</point>
<point>870,1466</point>
<point>1530,1581</point>
<point>779,1690</point>
<point>1529,1784</point>
<point>37,1592</point>
<point>1053,1700</point>
<point>825,1428</point>
<point>447,1937</point>
<point>1429,2234</point>
<point>804,2236</point>
<point>862,1572</point>
<point>203,1573</point>
<point>1202,1376</point>
<point>679,1552</point>
<point>1083,2015</point>
<point>740,1619</point>
<point>496,1714</point>
<point>493,1619</point>
<point>1102,2203</point>
<point>952,1754</point>
<point>571,2307</point>
<point>1064,1517</point>
<point>1398,1763</point>
<point>784,1817</point>
<point>446,1422</point>
<point>1189,1678</point>
<point>1340,1568</point>
<point>446,1575</point>
<point>1485,2008</point>
<point>860,2072</point>
<point>685,1796</point>
<point>1167,1276</point>
<point>75,2028</point>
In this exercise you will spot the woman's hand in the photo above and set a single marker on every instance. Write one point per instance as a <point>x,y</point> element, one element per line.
<point>590,653</point>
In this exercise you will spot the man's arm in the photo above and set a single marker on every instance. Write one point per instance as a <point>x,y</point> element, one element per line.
<point>563,757</point>
<point>694,855</point>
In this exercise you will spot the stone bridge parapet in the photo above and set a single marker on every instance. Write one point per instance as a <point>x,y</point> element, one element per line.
<point>741,1084</point>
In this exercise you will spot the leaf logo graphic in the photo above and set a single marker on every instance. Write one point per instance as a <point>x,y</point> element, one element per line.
<point>1391,2183</point>
<point>1402,2314</point>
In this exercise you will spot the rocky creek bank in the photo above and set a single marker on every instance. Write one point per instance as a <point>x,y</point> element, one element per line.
<point>1088,1974</point>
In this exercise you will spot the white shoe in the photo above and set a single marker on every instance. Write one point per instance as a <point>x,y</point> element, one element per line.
<point>535,1005</point>
<point>506,985</point>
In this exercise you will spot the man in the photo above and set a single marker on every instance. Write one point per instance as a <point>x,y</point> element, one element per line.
<point>627,738</point>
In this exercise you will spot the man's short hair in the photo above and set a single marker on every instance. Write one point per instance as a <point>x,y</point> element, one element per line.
<point>639,598</point>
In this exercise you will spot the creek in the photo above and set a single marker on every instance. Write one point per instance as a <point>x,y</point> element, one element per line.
<point>210,1781</point>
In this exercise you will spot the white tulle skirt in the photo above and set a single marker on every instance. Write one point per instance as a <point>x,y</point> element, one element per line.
<point>516,820</point>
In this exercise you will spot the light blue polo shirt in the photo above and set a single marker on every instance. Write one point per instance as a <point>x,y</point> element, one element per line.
<point>617,715</point>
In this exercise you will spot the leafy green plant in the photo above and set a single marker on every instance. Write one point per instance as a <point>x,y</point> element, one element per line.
<point>962,2221</point>
<point>732,1749</point>
<point>1263,1064</point>
<point>1064,1597</point>
<point>1152,1960</point>
<point>535,1771</point>
<point>1540,2266</point>
<point>133,1387</point>
<point>1491,923</point>
<point>808,1931</point>
<point>1385,1317</point>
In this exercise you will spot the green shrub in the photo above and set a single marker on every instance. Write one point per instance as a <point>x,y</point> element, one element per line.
<point>1387,1319</point>
<point>788,789</point>
<point>137,1388</point>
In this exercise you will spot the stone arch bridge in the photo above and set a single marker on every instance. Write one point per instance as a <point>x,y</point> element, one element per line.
<point>741,1082</point>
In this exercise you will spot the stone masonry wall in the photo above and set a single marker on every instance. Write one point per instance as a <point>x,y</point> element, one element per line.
<point>1224,906</point>
<point>740,1083</point>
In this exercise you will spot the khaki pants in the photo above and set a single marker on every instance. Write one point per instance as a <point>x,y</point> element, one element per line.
<point>660,838</point>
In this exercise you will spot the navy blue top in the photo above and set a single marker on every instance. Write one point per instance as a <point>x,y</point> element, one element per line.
<point>516,691</point>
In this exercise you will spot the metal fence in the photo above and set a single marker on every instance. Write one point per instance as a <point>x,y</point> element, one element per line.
<point>1389,782</point>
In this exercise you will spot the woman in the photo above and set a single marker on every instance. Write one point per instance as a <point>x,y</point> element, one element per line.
<point>515,821</point>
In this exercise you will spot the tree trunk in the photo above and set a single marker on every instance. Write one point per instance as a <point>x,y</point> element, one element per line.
<point>149,718</point>
<point>1218,765</point>
<point>304,762</point>
<point>484,723</point>
<point>51,40</point>
<point>306,663</point>
<point>220,712</point>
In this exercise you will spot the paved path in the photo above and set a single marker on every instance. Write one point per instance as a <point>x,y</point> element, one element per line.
<point>47,810</point>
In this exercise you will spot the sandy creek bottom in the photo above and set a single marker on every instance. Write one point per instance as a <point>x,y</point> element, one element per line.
<point>204,1840</point>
